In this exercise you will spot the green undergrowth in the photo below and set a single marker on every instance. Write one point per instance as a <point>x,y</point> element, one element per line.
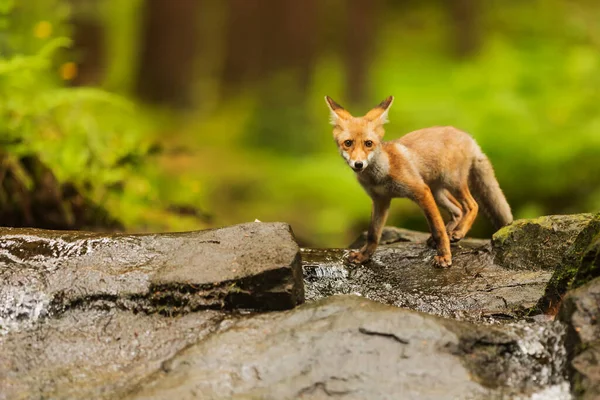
<point>96,143</point>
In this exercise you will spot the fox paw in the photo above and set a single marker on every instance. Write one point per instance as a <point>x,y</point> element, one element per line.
<point>442,261</point>
<point>456,236</point>
<point>358,257</point>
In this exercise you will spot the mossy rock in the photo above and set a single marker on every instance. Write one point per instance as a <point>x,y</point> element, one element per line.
<point>538,243</point>
<point>579,265</point>
<point>590,264</point>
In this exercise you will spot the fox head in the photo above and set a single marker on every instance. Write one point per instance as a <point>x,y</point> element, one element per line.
<point>358,138</point>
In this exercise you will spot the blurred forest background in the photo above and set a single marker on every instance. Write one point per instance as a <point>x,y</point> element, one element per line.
<point>166,115</point>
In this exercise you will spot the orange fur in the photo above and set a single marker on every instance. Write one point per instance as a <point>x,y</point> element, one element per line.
<point>439,166</point>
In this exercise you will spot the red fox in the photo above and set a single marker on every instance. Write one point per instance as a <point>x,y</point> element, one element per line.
<point>439,165</point>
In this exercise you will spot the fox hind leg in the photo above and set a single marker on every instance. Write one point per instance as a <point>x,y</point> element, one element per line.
<point>470,207</point>
<point>448,202</point>
<point>453,206</point>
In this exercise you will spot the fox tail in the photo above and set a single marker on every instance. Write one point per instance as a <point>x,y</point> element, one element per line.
<point>487,192</point>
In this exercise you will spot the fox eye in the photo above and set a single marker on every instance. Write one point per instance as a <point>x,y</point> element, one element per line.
<point>369,143</point>
<point>348,143</point>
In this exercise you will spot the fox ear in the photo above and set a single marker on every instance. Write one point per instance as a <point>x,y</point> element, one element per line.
<point>379,114</point>
<point>337,112</point>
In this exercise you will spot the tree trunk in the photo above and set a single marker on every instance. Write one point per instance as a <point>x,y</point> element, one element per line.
<point>265,37</point>
<point>465,22</point>
<point>168,51</point>
<point>359,46</point>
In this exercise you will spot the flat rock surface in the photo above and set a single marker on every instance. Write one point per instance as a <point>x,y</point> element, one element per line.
<point>345,347</point>
<point>402,274</point>
<point>255,265</point>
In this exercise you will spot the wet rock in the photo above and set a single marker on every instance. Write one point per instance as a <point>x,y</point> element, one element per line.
<point>43,273</point>
<point>578,265</point>
<point>403,274</point>
<point>94,354</point>
<point>392,234</point>
<point>149,316</point>
<point>538,243</point>
<point>580,310</point>
<point>349,347</point>
<point>501,281</point>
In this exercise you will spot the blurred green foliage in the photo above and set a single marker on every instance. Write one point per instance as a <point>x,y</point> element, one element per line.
<point>97,141</point>
<point>529,94</point>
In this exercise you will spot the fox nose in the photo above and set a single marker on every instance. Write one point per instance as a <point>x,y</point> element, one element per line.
<point>358,165</point>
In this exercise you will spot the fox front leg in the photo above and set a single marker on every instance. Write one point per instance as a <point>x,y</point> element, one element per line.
<point>379,215</point>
